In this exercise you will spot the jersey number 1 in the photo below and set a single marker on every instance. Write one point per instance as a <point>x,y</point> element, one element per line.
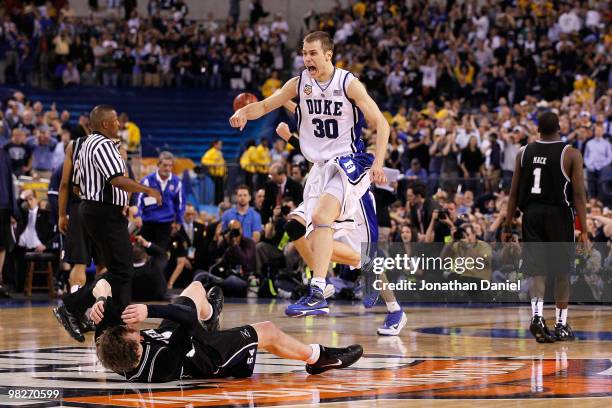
<point>327,128</point>
<point>537,174</point>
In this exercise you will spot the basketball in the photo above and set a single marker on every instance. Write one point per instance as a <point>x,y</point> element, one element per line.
<point>243,100</point>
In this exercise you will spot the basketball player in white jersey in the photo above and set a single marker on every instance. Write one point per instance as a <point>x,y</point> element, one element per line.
<point>330,102</point>
<point>347,246</point>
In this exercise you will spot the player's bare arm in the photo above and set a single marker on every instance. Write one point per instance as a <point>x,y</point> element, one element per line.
<point>579,192</point>
<point>289,105</point>
<point>64,190</point>
<point>256,110</point>
<point>357,92</point>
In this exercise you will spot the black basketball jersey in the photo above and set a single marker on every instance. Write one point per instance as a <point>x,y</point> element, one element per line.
<point>164,353</point>
<point>543,179</point>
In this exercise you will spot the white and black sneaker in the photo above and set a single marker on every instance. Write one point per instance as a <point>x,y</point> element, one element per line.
<point>540,331</point>
<point>335,358</point>
<point>563,332</point>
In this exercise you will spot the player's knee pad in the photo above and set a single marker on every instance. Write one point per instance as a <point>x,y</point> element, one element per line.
<point>295,230</point>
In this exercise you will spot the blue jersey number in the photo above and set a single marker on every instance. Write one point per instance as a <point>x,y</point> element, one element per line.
<point>327,128</point>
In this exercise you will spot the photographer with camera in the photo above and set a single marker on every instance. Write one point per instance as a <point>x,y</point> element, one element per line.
<point>442,224</point>
<point>235,263</point>
<point>269,251</point>
<point>465,245</point>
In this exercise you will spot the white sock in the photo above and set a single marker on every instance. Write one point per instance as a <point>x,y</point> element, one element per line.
<point>561,315</point>
<point>537,306</point>
<point>316,352</point>
<point>209,314</point>
<point>74,288</point>
<point>319,283</point>
<point>393,307</point>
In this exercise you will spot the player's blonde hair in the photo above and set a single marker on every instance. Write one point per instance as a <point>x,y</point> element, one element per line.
<point>326,41</point>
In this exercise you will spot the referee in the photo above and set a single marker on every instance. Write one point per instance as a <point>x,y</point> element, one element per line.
<point>100,175</point>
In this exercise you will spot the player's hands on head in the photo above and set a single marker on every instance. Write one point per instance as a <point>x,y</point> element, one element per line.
<point>283,131</point>
<point>134,314</point>
<point>238,119</point>
<point>97,312</point>
<point>377,174</point>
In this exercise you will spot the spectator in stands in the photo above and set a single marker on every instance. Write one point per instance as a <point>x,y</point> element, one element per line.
<point>262,159</point>
<point>235,255</point>
<point>71,76</point>
<point>20,153</point>
<point>271,85</point>
<point>420,206</point>
<point>129,132</point>
<point>298,174</point>
<point>279,152</point>
<point>278,188</point>
<point>249,219</point>
<point>248,163</point>
<point>416,172</point>
<point>43,146</point>
<point>269,251</point>
<point>88,77</point>
<point>34,233</point>
<point>213,159</point>
<point>157,220</point>
<point>191,234</point>
<point>492,166</point>
<point>597,157</point>
<point>260,195</point>
<point>148,282</point>
<point>471,164</point>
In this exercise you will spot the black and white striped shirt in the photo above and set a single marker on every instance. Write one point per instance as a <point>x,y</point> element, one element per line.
<point>98,162</point>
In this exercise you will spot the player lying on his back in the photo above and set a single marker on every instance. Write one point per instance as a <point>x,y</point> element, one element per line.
<point>347,247</point>
<point>331,106</point>
<point>182,348</point>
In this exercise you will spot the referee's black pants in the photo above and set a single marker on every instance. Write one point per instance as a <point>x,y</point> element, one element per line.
<point>106,226</point>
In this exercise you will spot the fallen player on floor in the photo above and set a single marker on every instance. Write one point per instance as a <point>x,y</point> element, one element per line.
<point>188,344</point>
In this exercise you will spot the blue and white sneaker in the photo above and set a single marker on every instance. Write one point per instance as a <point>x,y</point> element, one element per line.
<point>310,305</point>
<point>394,323</point>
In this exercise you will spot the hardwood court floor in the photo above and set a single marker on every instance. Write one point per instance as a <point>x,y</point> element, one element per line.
<point>459,356</point>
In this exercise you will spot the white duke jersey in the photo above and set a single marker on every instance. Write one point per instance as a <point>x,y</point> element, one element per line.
<point>329,123</point>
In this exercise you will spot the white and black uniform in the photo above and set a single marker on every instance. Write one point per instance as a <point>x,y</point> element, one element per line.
<point>329,125</point>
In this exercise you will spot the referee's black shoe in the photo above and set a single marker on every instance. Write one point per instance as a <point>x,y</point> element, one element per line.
<point>69,321</point>
<point>540,331</point>
<point>333,358</point>
<point>215,298</point>
<point>563,332</point>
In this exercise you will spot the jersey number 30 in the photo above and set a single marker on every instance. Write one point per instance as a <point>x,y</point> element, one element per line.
<point>327,128</point>
<point>537,174</point>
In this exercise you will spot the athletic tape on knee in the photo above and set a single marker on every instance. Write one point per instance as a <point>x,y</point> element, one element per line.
<point>295,230</point>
